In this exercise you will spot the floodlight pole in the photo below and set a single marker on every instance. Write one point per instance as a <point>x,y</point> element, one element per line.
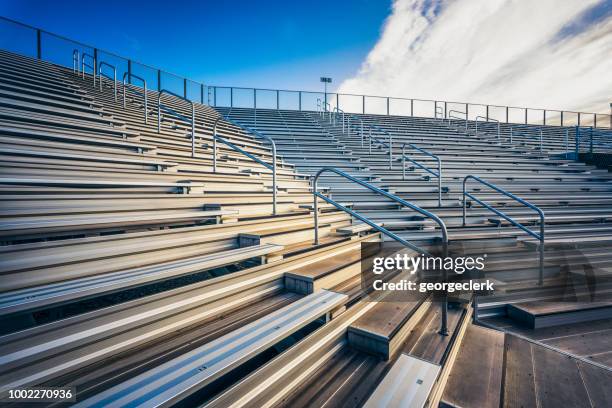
<point>325,81</point>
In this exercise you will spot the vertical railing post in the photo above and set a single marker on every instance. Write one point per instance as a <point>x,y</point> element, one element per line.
<point>445,109</point>
<point>38,44</point>
<point>300,100</point>
<point>202,94</point>
<point>387,106</point>
<point>363,104</point>
<point>561,118</point>
<point>525,115</point>
<point>185,88</point>
<point>337,101</point>
<point>544,118</point>
<point>130,72</point>
<point>277,99</point>
<point>215,96</point>
<point>411,107</point>
<point>507,114</point>
<point>566,140</point>
<point>578,118</point>
<point>231,97</point>
<point>487,113</point>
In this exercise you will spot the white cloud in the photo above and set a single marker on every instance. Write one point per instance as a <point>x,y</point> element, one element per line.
<point>492,51</point>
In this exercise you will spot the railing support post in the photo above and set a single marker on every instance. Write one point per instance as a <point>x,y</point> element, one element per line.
<point>300,100</point>
<point>387,106</point>
<point>363,104</point>
<point>277,99</point>
<point>202,94</point>
<point>231,97</point>
<point>412,107</point>
<point>130,72</point>
<point>185,88</point>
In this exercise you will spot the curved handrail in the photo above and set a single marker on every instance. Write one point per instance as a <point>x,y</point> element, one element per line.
<point>427,214</point>
<point>125,76</point>
<point>517,224</point>
<point>371,126</point>
<point>536,128</point>
<point>485,119</point>
<point>104,64</point>
<point>336,112</point>
<point>75,61</point>
<point>93,67</point>
<point>419,165</point>
<point>450,115</point>
<point>165,91</point>
<point>273,143</point>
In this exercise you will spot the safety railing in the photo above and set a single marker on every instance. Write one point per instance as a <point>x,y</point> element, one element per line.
<point>400,105</point>
<point>540,237</point>
<point>538,130</point>
<point>336,113</point>
<point>451,116</point>
<point>487,120</point>
<point>75,61</point>
<point>114,78</point>
<point>437,174</point>
<point>159,96</point>
<point>86,65</point>
<point>596,140</point>
<point>395,237</point>
<point>439,111</point>
<point>370,126</point>
<point>129,76</point>
<point>269,140</point>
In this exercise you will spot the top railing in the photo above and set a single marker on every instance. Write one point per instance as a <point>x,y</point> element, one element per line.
<point>56,48</point>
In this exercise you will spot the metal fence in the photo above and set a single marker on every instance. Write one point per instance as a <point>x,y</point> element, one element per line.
<point>24,39</point>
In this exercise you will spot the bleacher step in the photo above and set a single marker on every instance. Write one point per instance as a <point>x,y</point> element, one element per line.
<point>475,379</point>
<point>538,314</point>
<point>407,385</point>
<point>184,375</point>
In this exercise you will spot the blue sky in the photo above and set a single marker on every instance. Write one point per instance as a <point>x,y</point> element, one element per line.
<point>276,44</point>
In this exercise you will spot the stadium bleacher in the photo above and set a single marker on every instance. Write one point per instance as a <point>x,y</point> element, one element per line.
<point>180,265</point>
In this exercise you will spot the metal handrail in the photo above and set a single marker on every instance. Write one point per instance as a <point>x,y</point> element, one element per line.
<point>539,129</point>
<point>100,74</point>
<point>273,143</point>
<point>419,165</point>
<point>371,126</point>
<point>517,224</point>
<point>489,120</point>
<point>427,214</point>
<point>439,110</point>
<point>450,115</point>
<point>93,67</point>
<point>165,91</point>
<point>75,61</point>
<point>125,76</point>
<point>336,112</point>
